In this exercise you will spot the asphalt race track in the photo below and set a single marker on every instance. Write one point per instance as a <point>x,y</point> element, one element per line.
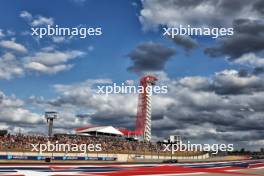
<point>247,168</point>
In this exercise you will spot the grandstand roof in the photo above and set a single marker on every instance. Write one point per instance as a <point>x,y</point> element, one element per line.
<point>100,129</point>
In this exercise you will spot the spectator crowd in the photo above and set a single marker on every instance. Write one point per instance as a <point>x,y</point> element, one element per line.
<point>113,144</point>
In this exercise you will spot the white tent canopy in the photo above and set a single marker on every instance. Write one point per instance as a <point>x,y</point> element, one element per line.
<point>101,129</point>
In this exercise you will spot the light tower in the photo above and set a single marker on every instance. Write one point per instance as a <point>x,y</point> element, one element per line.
<point>143,122</point>
<point>50,116</point>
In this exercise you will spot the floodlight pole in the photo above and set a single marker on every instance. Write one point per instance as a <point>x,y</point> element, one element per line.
<point>50,122</point>
<point>50,116</point>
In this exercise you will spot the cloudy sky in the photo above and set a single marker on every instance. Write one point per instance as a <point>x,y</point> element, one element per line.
<point>216,86</point>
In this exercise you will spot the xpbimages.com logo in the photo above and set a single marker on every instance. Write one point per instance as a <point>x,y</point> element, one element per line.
<point>197,31</point>
<point>183,147</point>
<point>81,32</point>
<point>131,89</point>
<point>57,147</point>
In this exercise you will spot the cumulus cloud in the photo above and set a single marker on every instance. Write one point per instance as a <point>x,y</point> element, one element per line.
<point>186,42</point>
<point>202,112</point>
<point>26,15</point>
<point>1,33</point>
<point>246,17</point>
<point>14,114</point>
<point>81,98</point>
<point>259,7</point>
<point>40,20</point>
<point>12,45</point>
<point>10,67</point>
<point>149,57</point>
<point>196,12</point>
<point>231,82</point>
<point>51,61</point>
<point>251,60</point>
<point>45,61</point>
<point>41,68</point>
<point>248,38</point>
<point>54,57</point>
<point>245,47</point>
<point>36,20</point>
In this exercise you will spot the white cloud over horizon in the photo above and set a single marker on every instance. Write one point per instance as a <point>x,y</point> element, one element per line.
<point>37,20</point>
<point>12,45</point>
